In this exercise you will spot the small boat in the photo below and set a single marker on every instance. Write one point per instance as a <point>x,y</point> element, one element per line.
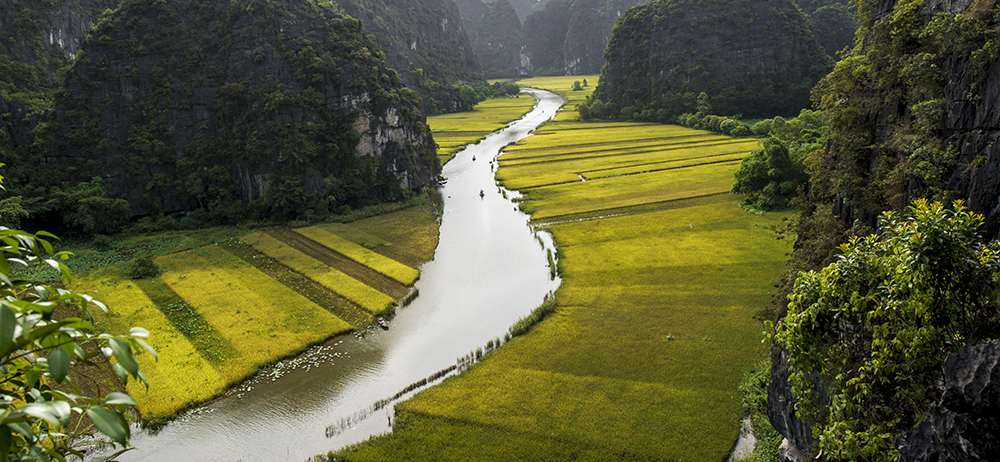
<point>481,193</point>
<point>473,158</point>
<point>381,323</point>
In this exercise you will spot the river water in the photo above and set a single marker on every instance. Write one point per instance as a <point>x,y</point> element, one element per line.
<point>489,270</point>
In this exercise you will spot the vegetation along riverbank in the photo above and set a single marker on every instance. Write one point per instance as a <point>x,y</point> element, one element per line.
<point>220,310</point>
<point>653,329</point>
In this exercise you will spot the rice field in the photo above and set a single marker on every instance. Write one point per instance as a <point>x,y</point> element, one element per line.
<point>181,375</point>
<point>380,264</point>
<point>338,282</point>
<point>215,318</point>
<point>563,86</point>
<point>264,320</point>
<point>653,329</point>
<point>452,132</point>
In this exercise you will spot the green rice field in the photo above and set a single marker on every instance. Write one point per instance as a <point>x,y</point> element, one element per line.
<point>653,329</point>
<point>218,313</point>
<point>452,132</point>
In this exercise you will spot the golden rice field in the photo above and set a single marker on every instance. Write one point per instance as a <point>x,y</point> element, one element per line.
<point>452,132</point>
<point>338,282</point>
<point>380,264</point>
<point>180,375</point>
<point>654,329</point>
<point>241,319</point>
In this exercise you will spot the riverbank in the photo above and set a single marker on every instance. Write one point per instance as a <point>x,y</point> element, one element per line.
<point>642,357</point>
<point>219,312</point>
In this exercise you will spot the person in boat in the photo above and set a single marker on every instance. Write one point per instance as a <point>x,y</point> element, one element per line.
<point>482,193</point>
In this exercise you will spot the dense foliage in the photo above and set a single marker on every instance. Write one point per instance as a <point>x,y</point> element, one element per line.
<point>46,401</point>
<point>751,58</point>
<point>772,176</point>
<point>200,107</point>
<point>873,328</point>
<point>425,42</point>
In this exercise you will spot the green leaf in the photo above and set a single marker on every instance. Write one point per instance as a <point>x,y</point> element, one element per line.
<point>7,325</point>
<point>119,398</point>
<point>123,353</point>
<point>110,423</point>
<point>59,364</point>
<point>5,440</point>
<point>53,412</point>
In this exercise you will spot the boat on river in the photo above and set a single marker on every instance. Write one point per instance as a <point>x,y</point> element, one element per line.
<point>382,323</point>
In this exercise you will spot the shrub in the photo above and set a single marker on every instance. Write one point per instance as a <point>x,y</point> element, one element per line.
<point>142,267</point>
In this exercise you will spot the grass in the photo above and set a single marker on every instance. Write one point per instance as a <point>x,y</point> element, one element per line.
<point>643,356</point>
<point>452,132</point>
<point>338,282</point>
<point>377,262</point>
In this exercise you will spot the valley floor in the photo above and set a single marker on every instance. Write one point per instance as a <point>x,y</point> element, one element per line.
<point>654,329</point>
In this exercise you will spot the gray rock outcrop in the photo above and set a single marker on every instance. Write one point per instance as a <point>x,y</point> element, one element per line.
<point>964,425</point>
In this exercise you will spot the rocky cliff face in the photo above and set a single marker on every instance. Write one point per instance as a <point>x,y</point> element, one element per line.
<point>568,37</point>
<point>37,39</point>
<point>750,57</point>
<point>421,34</point>
<point>494,31</point>
<point>913,115</point>
<point>964,425</point>
<point>268,92</point>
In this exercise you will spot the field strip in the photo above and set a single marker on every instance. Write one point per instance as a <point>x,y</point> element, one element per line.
<point>384,265</point>
<point>333,302</point>
<point>630,154</point>
<point>180,375</point>
<point>264,320</point>
<point>661,166</point>
<point>350,288</point>
<point>518,157</point>
<point>628,190</point>
<point>610,413</point>
<point>569,142</point>
<point>340,262</point>
<point>649,207</point>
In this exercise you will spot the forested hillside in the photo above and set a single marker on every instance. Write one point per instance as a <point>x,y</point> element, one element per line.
<point>494,31</point>
<point>226,109</point>
<point>758,58</point>
<point>425,42</point>
<point>912,112</point>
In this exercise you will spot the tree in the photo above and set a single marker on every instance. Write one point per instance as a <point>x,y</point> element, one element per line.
<point>702,105</point>
<point>769,177</point>
<point>868,334</point>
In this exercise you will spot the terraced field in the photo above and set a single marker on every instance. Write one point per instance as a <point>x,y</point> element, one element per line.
<point>220,312</point>
<point>653,329</point>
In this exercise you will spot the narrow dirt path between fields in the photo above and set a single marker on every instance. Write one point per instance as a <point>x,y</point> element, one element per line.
<point>340,262</point>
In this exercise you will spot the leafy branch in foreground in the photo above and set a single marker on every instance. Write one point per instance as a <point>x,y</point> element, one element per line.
<point>38,351</point>
<point>876,325</point>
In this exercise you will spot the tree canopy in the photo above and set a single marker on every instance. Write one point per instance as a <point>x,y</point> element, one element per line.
<point>867,335</point>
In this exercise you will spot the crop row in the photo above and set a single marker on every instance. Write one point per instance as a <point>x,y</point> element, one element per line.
<point>338,282</point>
<point>380,264</point>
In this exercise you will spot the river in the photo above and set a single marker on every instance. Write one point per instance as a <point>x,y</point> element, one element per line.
<point>488,271</point>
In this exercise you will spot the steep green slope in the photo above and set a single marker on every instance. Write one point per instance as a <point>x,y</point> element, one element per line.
<point>276,106</point>
<point>750,57</point>
<point>425,42</point>
<point>494,31</point>
<point>38,43</point>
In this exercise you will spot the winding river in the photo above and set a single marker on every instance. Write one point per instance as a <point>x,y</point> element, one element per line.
<point>488,271</point>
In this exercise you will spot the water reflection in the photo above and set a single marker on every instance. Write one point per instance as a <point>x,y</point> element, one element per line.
<point>488,271</point>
